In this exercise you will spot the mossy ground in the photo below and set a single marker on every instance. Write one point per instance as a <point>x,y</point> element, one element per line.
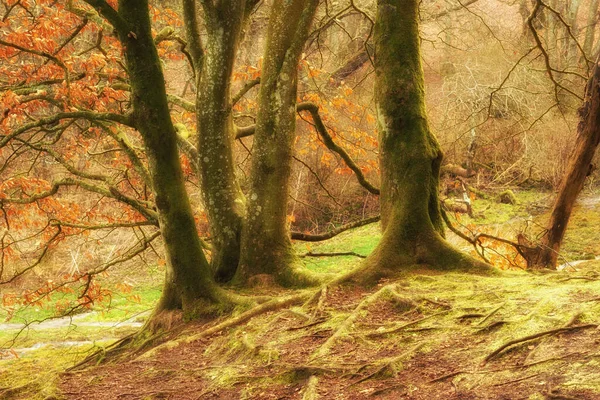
<point>444,326</point>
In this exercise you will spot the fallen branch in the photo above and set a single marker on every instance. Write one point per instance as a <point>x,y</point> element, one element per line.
<point>306,237</point>
<point>337,254</point>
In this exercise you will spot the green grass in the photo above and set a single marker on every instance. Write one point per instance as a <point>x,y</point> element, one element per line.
<point>582,241</point>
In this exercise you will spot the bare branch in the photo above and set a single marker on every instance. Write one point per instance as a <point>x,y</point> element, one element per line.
<point>305,237</point>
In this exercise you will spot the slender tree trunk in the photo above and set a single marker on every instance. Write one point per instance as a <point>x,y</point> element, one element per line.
<point>223,198</point>
<point>580,166</point>
<point>410,156</point>
<point>188,283</point>
<point>266,246</point>
<point>590,28</point>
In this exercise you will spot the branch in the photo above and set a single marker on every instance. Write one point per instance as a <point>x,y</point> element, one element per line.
<point>305,237</point>
<point>105,226</point>
<point>337,254</point>
<point>540,46</point>
<point>192,34</point>
<point>143,208</point>
<point>245,89</point>
<point>48,56</point>
<point>121,138</point>
<point>111,15</point>
<point>87,115</point>
<point>331,145</point>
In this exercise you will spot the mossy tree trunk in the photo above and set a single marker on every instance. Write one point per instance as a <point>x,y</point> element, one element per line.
<point>188,283</point>
<point>223,198</point>
<point>410,156</point>
<point>266,245</point>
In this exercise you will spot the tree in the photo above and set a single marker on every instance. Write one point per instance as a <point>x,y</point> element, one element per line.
<point>266,244</point>
<point>214,63</point>
<point>545,255</point>
<point>188,283</point>
<point>410,156</point>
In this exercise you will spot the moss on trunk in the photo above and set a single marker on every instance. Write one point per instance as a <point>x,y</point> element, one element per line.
<point>188,282</point>
<point>266,245</point>
<point>221,193</point>
<point>410,156</point>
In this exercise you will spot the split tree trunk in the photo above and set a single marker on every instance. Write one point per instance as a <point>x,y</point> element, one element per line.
<point>580,166</point>
<point>188,285</point>
<point>410,156</point>
<point>223,198</point>
<point>266,245</point>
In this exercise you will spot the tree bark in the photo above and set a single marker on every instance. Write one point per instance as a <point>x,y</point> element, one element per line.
<point>590,29</point>
<point>188,284</point>
<point>580,166</point>
<point>266,245</point>
<point>410,156</point>
<point>223,198</point>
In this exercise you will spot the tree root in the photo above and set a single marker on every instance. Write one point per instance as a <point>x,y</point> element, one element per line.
<point>325,348</point>
<point>269,306</point>
<point>389,365</point>
<point>384,332</point>
<point>490,314</point>
<point>310,391</point>
<point>516,380</point>
<point>535,336</point>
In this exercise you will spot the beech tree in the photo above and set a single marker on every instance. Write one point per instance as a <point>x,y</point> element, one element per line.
<point>266,244</point>
<point>410,156</point>
<point>189,285</point>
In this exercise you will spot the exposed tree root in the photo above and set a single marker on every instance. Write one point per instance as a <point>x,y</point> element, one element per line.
<point>516,380</point>
<point>490,314</point>
<point>11,392</point>
<point>387,366</point>
<point>384,332</point>
<point>387,389</point>
<point>272,305</point>
<point>535,336</point>
<point>310,391</point>
<point>345,326</point>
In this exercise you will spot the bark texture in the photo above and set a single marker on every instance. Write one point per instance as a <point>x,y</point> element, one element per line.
<point>188,283</point>
<point>221,192</point>
<point>266,245</point>
<point>580,166</point>
<point>410,156</point>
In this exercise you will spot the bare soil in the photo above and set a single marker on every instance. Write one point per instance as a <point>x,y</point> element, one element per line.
<point>438,351</point>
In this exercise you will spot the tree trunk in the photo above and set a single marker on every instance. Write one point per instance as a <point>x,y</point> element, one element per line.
<point>580,166</point>
<point>266,245</point>
<point>590,29</point>
<point>223,198</point>
<point>188,285</point>
<point>410,156</point>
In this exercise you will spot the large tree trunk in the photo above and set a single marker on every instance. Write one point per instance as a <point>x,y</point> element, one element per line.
<point>188,284</point>
<point>223,198</point>
<point>580,166</point>
<point>266,246</point>
<point>410,156</point>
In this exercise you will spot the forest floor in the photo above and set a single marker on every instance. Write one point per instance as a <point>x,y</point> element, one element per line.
<point>517,335</point>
